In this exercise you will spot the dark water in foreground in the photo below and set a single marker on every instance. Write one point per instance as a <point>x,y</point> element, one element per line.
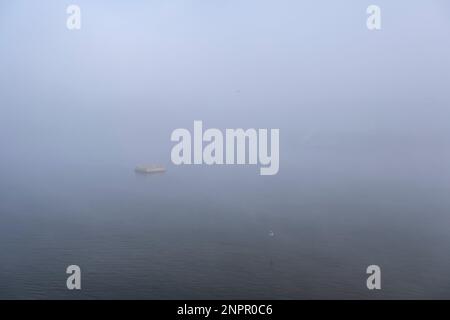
<point>202,232</point>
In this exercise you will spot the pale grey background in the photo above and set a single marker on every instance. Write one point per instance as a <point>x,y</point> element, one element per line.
<point>364,173</point>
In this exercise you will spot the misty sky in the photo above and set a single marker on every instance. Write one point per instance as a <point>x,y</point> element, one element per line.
<point>139,69</point>
<point>364,148</point>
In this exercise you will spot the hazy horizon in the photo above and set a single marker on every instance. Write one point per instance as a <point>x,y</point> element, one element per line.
<point>364,149</point>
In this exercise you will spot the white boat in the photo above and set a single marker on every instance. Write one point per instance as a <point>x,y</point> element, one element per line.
<point>152,168</point>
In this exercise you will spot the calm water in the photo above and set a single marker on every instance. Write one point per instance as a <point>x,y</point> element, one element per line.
<point>364,149</point>
<point>206,232</point>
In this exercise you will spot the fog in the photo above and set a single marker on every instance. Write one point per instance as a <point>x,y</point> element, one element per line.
<point>353,105</point>
<point>136,71</point>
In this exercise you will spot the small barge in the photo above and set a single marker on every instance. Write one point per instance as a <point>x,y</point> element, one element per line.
<point>153,168</point>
